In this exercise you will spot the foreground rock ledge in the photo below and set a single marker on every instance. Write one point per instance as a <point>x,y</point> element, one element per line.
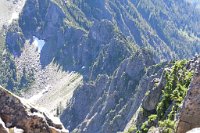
<point>17,115</point>
<point>190,113</point>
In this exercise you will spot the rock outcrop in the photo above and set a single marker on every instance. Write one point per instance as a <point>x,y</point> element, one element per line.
<point>190,113</point>
<point>18,115</point>
<point>151,100</point>
<point>106,105</point>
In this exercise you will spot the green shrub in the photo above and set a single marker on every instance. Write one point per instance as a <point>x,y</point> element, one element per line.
<point>152,118</point>
<point>144,127</point>
<point>132,129</point>
<point>178,79</point>
<point>167,125</point>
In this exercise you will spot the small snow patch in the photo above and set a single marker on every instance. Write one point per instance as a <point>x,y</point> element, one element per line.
<point>83,67</point>
<point>38,43</point>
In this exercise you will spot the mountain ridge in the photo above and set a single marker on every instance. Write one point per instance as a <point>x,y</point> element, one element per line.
<point>109,50</point>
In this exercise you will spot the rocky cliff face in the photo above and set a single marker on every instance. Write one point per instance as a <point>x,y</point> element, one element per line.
<point>17,115</point>
<point>152,24</point>
<point>94,109</point>
<point>170,104</point>
<point>71,30</point>
<point>189,115</point>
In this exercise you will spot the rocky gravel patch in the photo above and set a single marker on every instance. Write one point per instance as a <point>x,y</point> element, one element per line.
<point>9,11</point>
<point>50,82</point>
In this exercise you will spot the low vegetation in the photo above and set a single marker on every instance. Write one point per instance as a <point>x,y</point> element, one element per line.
<point>177,81</point>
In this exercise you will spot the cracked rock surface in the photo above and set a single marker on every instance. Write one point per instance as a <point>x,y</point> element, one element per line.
<point>16,115</point>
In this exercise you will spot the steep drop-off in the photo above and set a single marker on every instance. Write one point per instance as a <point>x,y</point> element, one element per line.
<point>18,116</point>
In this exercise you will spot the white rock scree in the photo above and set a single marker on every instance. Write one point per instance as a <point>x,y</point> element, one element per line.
<point>39,95</point>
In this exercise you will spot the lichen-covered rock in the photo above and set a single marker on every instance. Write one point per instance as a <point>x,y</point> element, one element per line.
<point>16,112</point>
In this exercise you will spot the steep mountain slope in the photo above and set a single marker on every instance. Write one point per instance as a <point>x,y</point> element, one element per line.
<point>9,12</point>
<point>189,115</point>
<point>161,107</point>
<point>107,100</point>
<point>158,25</point>
<point>99,54</point>
<point>73,20</point>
